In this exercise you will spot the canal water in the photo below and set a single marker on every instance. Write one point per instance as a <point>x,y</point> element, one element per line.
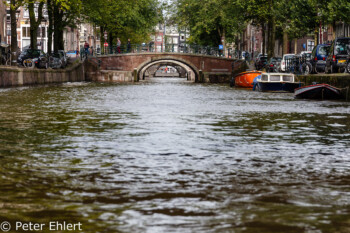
<point>166,155</point>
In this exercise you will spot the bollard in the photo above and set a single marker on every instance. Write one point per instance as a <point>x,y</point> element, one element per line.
<point>136,79</point>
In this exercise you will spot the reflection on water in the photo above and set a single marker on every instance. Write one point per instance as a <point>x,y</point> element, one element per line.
<point>170,156</point>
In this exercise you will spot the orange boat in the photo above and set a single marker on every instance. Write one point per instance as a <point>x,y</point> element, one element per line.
<point>245,79</point>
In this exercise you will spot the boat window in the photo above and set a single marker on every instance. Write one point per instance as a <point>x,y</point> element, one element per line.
<point>264,78</point>
<point>275,78</point>
<point>288,78</point>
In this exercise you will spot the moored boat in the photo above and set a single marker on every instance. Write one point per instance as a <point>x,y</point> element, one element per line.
<point>245,79</point>
<point>276,82</point>
<point>318,91</point>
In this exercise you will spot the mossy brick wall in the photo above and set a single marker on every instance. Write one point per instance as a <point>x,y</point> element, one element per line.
<point>14,76</point>
<point>337,80</point>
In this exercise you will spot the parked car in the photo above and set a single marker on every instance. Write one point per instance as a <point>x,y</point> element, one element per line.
<point>57,61</point>
<point>261,63</point>
<point>258,57</point>
<point>318,58</point>
<point>338,54</point>
<point>33,58</point>
<point>285,62</point>
<point>63,58</point>
<point>273,64</point>
<point>72,53</point>
<point>243,55</point>
<point>305,52</point>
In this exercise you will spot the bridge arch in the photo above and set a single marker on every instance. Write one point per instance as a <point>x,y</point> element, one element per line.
<point>192,71</point>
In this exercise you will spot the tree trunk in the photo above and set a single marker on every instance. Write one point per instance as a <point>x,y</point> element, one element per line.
<point>223,42</point>
<point>14,43</point>
<point>264,39</point>
<point>110,37</point>
<point>272,37</point>
<point>34,24</point>
<point>295,46</point>
<point>316,35</point>
<point>102,39</point>
<point>285,42</point>
<point>58,28</point>
<point>50,28</point>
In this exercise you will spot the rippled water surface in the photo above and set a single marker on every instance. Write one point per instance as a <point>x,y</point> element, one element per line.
<point>170,156</point>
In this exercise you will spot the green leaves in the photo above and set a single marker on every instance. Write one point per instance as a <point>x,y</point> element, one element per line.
<point>124,18</point>
<point>209,20</point>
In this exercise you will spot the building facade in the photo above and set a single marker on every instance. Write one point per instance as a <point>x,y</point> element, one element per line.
<point>74,38</point>
<point>3,16</point>
<point>170,38</point>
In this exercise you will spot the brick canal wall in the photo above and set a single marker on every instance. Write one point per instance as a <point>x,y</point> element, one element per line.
<point>340,80</point>
<point>16,76</point>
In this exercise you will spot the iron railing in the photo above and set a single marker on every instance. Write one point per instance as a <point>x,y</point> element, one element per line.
<point>150,48</point>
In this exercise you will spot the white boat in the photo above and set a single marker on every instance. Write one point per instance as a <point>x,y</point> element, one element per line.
<point>277,82</point>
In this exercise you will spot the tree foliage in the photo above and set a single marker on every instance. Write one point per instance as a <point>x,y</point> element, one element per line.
<point>209,21</point>
<point>125,19</point>
<point>294,18</point>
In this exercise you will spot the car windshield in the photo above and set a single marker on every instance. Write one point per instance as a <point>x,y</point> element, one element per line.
<point>263,58</point>
<point>71,51</point>
<point>342,46</point>
<point>34,53</point>
<point>276,59</point>
<point>323,50</point>
<point>289,56</point>
<point>56,55</point>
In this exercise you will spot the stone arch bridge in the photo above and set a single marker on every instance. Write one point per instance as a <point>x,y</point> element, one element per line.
<point>133,67</point>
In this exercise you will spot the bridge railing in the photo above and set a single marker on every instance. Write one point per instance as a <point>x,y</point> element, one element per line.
<point>150,48</point>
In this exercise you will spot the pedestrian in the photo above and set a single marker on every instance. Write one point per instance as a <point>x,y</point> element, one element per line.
<point>86,48</point>
<point>128,46</point>
<point>119,43</point>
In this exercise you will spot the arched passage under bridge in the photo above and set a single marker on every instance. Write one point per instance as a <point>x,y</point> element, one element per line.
<point>186,69</point>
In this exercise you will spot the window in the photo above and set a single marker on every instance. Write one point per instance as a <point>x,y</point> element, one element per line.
<point>342,46</point>
<point>25,31</point>
<point>323,50</point>
<point>310,45</point>
<point>41,32</point>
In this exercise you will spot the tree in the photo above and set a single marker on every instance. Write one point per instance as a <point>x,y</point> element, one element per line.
<point>210,21</point>
<point>34,23</point>
<point>124,18</point>
<point>64,13</point>
<point>14,5</point>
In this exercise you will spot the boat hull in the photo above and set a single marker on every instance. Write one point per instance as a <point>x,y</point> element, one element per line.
<point>318,91</point>
<point>246,79</point>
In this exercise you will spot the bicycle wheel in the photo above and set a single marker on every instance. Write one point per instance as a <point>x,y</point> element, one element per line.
<point>348,67</point>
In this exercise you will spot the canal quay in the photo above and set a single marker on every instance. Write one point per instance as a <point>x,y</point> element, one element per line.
<point>172,155</point>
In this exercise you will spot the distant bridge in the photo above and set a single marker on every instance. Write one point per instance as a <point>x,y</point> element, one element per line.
<point>132,67</point>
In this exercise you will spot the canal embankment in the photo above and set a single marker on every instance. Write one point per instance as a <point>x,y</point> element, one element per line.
<point>339,80</point>
<point>18,76</point>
